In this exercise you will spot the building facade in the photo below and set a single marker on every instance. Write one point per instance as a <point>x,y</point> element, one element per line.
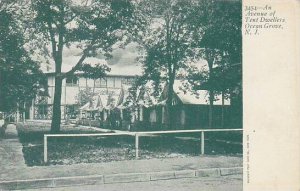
<point>114,105</point>
<point>70,102</point>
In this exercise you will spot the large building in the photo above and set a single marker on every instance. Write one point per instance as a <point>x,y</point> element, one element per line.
<point>189,109</point>
<point>110,85</point>
<point>113,105</point>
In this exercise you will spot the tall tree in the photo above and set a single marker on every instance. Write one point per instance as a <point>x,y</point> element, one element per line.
<point>93,26</point>
<point>20,77</point>
<point>220,44</point>
<point>167,44</point>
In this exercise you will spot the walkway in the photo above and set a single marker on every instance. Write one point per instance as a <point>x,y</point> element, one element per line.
<point>11,156</point>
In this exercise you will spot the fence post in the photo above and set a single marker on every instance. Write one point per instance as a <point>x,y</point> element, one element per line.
<point>202,142</point>
<point>136,146</point>
<point>45,149</point>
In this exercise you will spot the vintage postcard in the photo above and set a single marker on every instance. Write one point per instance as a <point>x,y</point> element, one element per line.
<point>150,95</point>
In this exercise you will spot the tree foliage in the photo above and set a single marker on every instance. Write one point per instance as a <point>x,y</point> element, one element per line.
<point>84,96</point>
<point>20,77</point>
<point>183,32</point>
<point>221,46</point>
<point>94,27</point>
<point>168,43</point>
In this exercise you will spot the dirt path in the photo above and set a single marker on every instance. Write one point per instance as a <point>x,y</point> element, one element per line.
<point>11,155</point>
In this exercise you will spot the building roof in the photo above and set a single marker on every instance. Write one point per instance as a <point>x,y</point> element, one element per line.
<point>104,101</point>
<point>94,104</point>
<point>146,94</point>
<point>108,75</point>
<point>199,97</point>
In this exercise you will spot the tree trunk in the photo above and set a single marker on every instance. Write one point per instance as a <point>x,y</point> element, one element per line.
<point>56,118</point>
<point>169,103</point>
<point>171,78</point>
<point>210,110</point>
<point>18,113</point>
<point>79,93</point>
<point>94,87</point>
<point>223,100</point>
<point>57,55</point>
<point>211,100</point>
<point>211,92</point>
<point>86,84</point>
<point>24,106</point>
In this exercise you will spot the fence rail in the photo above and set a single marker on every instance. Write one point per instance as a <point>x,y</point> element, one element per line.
<point>137,135</point>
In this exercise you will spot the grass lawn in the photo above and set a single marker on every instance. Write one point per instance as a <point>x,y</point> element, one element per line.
<point>72,150</point>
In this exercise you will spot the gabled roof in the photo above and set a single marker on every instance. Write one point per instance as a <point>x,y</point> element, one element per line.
<point>93,105</point>
<point>183,91</point>
<point>109,101</point>
<point>145,94</point>
<point>102,101</point>
<point>124,94</point>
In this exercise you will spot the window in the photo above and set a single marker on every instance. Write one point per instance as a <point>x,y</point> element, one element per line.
<point>101,83</point>
<point>71,81</point>
<point>128,81</point>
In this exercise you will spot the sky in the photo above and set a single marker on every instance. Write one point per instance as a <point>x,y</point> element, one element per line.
<point>123,61</point>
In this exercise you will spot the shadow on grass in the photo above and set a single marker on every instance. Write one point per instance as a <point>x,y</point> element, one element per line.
<point>73,150</point>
